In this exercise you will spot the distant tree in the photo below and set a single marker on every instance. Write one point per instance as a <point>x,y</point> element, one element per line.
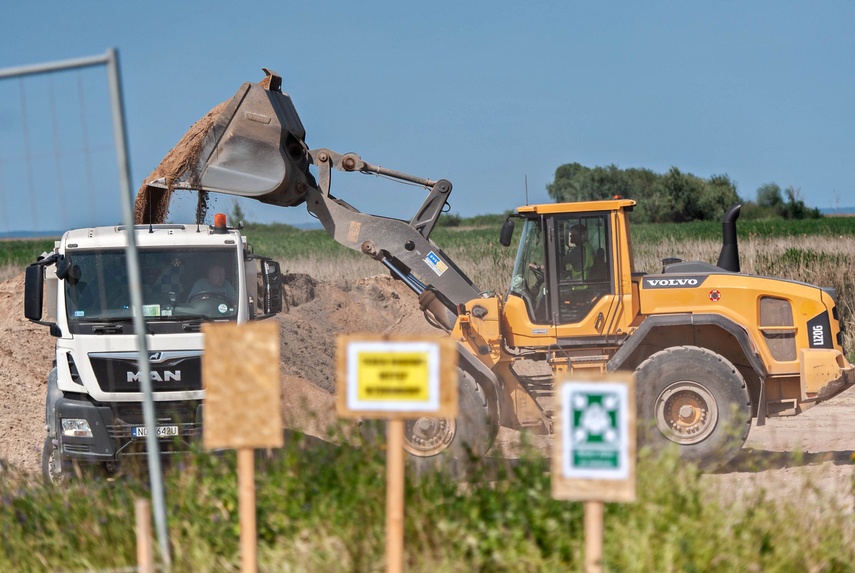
<point>683,191</point>
<point>605,183</point>
<point>575,182</point>
<point>641,182</point>
<point>449,220</point>
<point>673,196</point>
<point>237,214</point>
<point>718,195</point>
<point>769,195</point>
<point>795,207</point>
<point>565,186</point>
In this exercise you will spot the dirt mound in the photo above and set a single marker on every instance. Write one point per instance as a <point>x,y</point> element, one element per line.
<point>26,357</point>
<point>315,313</point>
<point>320,311</point>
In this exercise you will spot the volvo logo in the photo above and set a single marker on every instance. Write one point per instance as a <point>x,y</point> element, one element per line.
<point>672,282</point>
<point>166,376</point>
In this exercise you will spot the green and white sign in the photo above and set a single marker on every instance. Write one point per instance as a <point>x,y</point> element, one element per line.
<point>595,430</point>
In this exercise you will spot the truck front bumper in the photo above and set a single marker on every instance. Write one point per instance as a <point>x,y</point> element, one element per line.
<point>114,428</point>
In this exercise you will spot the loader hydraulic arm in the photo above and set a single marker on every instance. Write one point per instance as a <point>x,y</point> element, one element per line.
<point>428,215</point>
<point>254,146</point>
<point>403,247</point>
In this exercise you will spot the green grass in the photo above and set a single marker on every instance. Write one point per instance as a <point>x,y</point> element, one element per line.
<point>22,253</point>
<point>322,508</point>
<point>286,242</point>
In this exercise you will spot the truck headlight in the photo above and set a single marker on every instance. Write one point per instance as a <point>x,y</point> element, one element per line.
<point>77,427</point>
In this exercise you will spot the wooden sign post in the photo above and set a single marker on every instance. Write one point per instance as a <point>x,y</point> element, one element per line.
<point>395,379</point>
<point>595,457</point>
<point>242,408</point>
<point>145,550</point>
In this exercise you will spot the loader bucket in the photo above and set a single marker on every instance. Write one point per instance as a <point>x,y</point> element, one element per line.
<point>255,147</point>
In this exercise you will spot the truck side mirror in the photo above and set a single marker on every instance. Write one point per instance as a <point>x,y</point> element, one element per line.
<point>507,233</point>
<point>272,278</point>
<point>34,292</point>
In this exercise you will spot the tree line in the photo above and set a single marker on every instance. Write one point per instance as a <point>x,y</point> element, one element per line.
<point>674,196</point>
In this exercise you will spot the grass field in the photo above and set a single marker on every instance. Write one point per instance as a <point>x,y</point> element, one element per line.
<point>321,509</point>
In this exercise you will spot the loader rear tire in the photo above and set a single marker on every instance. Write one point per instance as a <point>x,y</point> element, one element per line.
<point>696,399</point>
<point>451,444</point>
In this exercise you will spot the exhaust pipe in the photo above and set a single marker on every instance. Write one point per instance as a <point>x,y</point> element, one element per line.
<point>728,259</point>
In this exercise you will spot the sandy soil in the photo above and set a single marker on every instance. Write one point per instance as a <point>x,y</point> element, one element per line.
<point>815,447</point>
<point>812,454</point>
<point>315,313</point>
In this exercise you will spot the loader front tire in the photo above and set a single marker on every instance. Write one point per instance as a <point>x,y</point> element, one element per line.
<point>696,399</point>
<point>450,444</point>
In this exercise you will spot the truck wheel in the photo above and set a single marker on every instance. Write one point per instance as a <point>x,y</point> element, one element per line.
<point>54,470</point>
<point>694,398</point>
<point>449,443</point>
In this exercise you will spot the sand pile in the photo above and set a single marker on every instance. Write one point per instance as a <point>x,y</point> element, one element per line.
<point>315,313</point>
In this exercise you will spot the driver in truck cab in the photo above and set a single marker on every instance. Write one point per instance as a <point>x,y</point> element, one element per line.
<point>214,284</point>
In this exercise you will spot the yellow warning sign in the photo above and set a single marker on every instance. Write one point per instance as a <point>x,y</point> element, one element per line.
<point>396,376</point>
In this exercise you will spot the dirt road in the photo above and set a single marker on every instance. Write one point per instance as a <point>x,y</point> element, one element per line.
<point>809,454</point>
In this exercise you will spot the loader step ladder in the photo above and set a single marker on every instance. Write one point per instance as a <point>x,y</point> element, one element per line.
<point>541,386</point>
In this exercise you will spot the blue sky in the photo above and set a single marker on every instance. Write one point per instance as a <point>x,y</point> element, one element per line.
<point>485,94</point>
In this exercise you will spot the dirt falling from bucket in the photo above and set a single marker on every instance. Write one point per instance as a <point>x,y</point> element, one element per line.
<point>180,164</point>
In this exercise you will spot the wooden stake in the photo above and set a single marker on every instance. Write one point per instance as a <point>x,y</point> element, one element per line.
<point>145,550</point>
<point>593,537</point>
<point>246,507</point>
<point>394,496</point>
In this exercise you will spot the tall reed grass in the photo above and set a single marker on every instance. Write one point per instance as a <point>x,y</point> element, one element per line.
<point>822,260</point>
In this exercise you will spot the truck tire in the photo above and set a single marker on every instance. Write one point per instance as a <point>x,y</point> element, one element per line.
<point>696,399</point>
<point>450,444</point>
<point>54,470</point>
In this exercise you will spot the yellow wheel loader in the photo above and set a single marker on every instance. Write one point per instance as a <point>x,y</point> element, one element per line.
<point>711,348</point>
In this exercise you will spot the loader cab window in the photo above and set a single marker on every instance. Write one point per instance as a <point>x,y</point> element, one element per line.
<point>529,278</point>
<point>583,259</point>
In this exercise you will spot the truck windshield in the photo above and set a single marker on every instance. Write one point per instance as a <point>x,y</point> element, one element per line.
<point>176,283</point>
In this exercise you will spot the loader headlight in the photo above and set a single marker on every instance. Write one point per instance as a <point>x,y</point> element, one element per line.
<point>77,427</point>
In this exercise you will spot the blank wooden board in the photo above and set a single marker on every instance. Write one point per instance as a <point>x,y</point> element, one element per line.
<point>240,375</point>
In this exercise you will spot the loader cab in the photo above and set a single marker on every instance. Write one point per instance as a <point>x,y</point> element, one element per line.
<point>566,275</point>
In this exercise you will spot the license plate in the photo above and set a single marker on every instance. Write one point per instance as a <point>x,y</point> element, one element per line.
<point>161,432</point>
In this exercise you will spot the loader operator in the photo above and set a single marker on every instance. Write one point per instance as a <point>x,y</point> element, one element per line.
<point>213,285</point>
<point>580,254</point>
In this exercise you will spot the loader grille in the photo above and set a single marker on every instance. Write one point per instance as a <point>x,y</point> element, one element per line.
<point>776,324</point>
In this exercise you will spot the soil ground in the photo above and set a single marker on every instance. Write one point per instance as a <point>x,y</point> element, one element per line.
<point>814,448</point>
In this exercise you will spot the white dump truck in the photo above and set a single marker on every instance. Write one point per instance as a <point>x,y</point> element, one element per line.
<point>190,274</point>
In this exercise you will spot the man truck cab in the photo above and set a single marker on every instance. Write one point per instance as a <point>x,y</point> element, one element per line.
<point>94,399</point>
